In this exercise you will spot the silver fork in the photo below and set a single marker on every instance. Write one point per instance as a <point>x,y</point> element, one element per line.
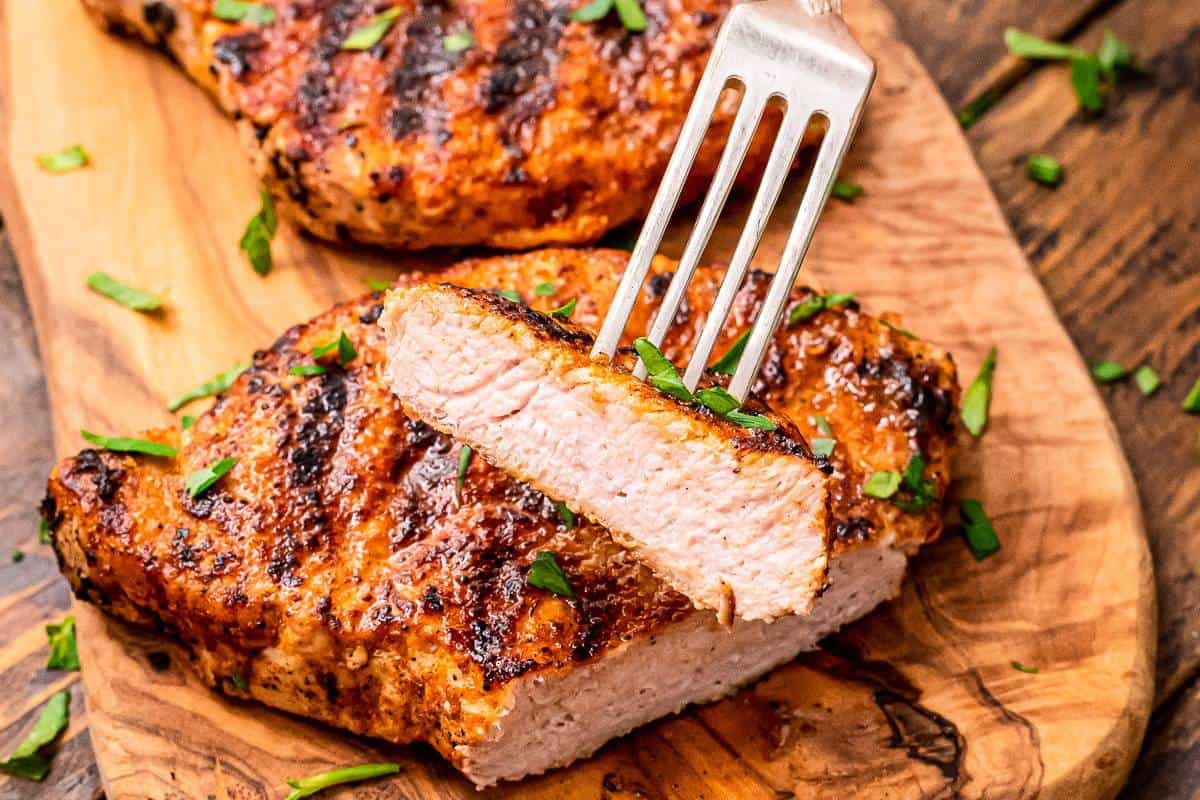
<point>801,52</point>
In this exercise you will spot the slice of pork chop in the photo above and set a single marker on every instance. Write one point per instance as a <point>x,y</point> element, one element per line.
<point>336,573</point>
<point>734,518</point>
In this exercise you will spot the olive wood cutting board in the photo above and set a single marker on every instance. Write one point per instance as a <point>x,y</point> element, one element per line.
<point>920,699</point>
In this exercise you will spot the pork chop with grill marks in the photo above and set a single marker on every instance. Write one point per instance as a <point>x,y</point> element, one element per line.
<point>336,574</point>
<point>734,518</point>
<point>545,130</point>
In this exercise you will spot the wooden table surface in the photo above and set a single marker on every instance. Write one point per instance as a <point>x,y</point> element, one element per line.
<point>1115,246</point>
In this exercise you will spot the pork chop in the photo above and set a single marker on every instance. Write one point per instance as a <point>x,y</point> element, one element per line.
<point>544,130</point>
<point>733,517</point>
<point>336,573</point>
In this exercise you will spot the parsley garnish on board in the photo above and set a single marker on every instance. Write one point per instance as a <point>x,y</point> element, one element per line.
<point>17,556</point>
<point>974,110</point>
<point>464,463</point>
<point>127,296</point>
<point>664,377</point>
<point>65,160</point>
<point>64,654</point>
<point>1108,372</point>
<point>815,304</point>
<point>216,385</point>
<point>260,230</point>
<point>1019,667</point>
<point>1091,75</point>
<point>457,42</point>
<point>1043,169</point>
<point>1147,380</point>
<point>125,445</point>
<point>1191,403</point>
<point>200,480</point>
<point>241,11</point>
<point>25,761</point>
<point>369,35</point>
<point>980,536</point>
<point>978,398</point>
<point>629,11</point>
<point>545,573</point>
<point>306,787</point>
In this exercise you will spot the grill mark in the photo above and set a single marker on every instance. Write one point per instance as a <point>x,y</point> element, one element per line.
<point>417,104</point>
<point>521,84</point>
<point>315,96</point>
<point>234,52</point>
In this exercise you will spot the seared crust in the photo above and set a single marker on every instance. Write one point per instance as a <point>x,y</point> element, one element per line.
<point>333,569</point>
<point>545,131</point>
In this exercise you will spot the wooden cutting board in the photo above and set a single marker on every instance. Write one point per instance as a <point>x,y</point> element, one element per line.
<point>918,700</point>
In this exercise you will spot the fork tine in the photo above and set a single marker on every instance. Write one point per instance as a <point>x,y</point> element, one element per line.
<point>708,93</point>
<point>783,153</point>
<point>829,158</point>
<point>742,132</point>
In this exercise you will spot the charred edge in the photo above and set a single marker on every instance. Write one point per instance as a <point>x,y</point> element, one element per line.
<point>105,477</point>
<point>315,96</point>
<point>914,385</point>
<point>161,19</point>
<point>544,326</point>
<point>235,52</point>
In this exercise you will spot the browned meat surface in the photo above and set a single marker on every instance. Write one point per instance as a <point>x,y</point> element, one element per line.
<point>545,131</point>
<point>335,572</point>
<point>735,518</point>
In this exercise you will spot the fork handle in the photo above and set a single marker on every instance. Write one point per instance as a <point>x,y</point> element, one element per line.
<point>816,8</point>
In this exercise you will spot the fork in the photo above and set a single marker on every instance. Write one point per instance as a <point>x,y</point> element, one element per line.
<point>800,52</point>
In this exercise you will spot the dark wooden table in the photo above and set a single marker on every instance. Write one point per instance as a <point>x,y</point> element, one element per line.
<point>1115,246</point>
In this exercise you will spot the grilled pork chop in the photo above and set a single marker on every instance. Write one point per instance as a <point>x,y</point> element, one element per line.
<point>545,130</point>
<point>734,518</point>
<point>334,573</point>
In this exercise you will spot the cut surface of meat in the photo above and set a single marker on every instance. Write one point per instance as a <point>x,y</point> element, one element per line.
<point>336,573</point>
<point>734,518</point>
<point>544,131</point>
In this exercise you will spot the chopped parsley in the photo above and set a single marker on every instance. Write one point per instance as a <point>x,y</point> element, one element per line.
<point>307,370</point>
<point>629,11</point>
<point>822,447</point>
<point>65,160</point>
<point>1114,56</point>
<point>1043,169</point>
<point>815,304</point>
<point>43,531</point>
<point>241,11</point>
<point>370,34</point>
<point>124,445</point>
<point>1108,372</point>
<point>566,515</point>
<point>260,230</point>
<point>1191,403</point>
<point>1085,80</point>
<point>186,421</point>
<point>377,284</point>
<point>919,492</point>
<point>664,377</point>
<point>822,425</point>
<point>545,573</point>
<point>127,296</point>
<point>727,364</point>
<point>974,110</point>
<point>901,331</point>
<point>200,480</point>
<point>1019,667</point>
<point>564,311</point>
<point>544,289</point>
<point>457,42</point>
<point>464,463</point>
<point>64,654</point>
<point>1026,45</point>
<point>510,294</point>
<point>238,682</point>
<point>17,556</point>
<point>662,373</point>
<point>1147,380</point>
<point>216,385</point>
<point>882,485</point>
<point>844,190</point>
<point>25,761</point>
<point>977,530</point>
<point>306,787</point>
<point>345,349</point>
<point>979,396</point>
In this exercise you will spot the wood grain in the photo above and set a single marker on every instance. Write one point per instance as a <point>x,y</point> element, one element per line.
<point>918,699</point>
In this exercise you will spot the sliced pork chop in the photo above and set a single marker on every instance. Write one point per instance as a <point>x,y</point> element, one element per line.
<point>336,573</point>
<point>733,517</point>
